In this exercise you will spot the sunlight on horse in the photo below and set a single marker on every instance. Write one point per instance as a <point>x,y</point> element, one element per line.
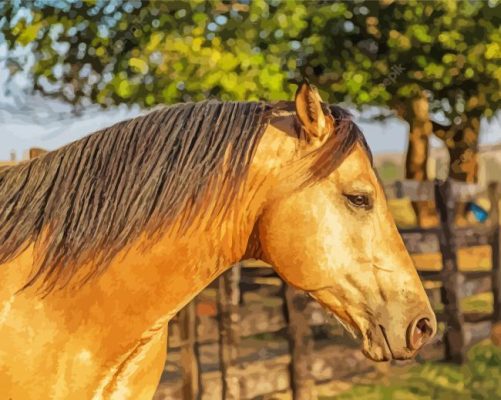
<point>103,241</point>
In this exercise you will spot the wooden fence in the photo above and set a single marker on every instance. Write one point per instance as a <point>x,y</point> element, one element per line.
<point>446,195</point>
<point>230,321</point>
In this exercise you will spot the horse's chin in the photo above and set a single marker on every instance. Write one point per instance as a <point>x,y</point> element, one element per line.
<point>377,347</point>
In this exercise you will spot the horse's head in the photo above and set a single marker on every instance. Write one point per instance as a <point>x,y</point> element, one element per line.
<point>334,237</point>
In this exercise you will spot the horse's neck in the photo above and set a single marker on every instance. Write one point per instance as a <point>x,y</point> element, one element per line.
<point>155,283</point>
<point>107,324</point>
<point>152,282</point>
<point>110,317</point>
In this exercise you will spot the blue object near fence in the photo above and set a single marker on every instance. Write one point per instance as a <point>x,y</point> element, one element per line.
<point>479,213</point>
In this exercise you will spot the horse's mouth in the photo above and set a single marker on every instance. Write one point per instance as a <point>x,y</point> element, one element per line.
<point>376,343</point>
<point>386,342</point>
<point>377,347</point>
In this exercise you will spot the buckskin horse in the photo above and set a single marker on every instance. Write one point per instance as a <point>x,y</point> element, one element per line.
<point>105,239</point>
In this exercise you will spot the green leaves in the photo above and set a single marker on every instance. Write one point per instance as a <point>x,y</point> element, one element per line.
<point>156,52</point>
<point>28,33</point>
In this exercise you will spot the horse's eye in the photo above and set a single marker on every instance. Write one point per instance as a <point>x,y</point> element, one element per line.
<point>359,200</point>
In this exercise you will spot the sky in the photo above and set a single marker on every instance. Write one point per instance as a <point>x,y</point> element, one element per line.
<point>30,120</point>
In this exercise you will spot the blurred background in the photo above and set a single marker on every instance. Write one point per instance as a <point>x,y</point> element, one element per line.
<point>422,79</point>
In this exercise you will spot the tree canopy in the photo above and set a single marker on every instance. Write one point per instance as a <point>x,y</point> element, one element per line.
<point>364,52</point>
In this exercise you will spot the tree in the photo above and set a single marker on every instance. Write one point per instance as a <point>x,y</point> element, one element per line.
<point>430,57</point>
<point>159,52</point>
<point>418,58</point>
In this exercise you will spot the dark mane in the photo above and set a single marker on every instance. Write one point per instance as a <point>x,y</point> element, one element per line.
<point>90,199</point>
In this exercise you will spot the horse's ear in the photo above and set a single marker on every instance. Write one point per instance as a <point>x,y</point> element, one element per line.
<point>315,122</point>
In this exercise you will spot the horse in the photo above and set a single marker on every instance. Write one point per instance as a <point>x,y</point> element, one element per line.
<point>104,240</point>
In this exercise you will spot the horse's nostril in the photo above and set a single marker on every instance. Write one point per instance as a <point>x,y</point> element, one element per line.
<point>419,333</point>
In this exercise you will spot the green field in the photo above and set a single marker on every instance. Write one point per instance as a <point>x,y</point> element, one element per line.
<point>479,378</point>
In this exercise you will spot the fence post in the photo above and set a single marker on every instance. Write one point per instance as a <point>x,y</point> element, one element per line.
<point>300,344</point>
<point>494,197</point>
<point>228,296</point>
<point>452,279</point>
<point>189,352</point>
<point>399,190</point>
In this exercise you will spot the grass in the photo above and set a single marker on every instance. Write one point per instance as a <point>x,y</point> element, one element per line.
<point>478,379</point>
<point>478,303</point>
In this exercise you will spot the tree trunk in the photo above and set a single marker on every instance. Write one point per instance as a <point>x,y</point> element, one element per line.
<point>416,113</point>
<point>462,144</point>
<point>463,150</point>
